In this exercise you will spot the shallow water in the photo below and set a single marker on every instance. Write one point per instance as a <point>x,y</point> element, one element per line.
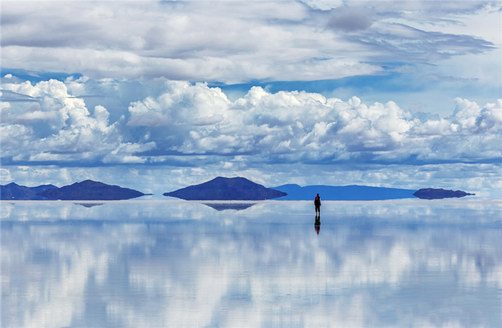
<point>185,264</point>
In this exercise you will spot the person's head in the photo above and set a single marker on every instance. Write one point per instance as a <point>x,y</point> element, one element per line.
<point>317,195</point>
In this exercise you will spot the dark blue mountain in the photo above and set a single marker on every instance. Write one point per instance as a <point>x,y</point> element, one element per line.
<point>90,190</point>
<point>226,189</point>
<point>431,193</point>
<point>42,188</point>
<point>296,192</point>
<point>13,191</point>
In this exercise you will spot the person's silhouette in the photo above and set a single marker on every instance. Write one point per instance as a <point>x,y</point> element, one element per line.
<point>317,205</point>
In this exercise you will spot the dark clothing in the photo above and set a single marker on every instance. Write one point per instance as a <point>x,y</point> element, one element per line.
<point>317,204</point>
<point>317,201</point>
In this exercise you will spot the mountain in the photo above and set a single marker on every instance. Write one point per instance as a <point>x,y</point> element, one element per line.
<point>13,191</point>
<point>296,192</point>
<point>431,193</point>
<point>222,188</point>
<point>90,190</point>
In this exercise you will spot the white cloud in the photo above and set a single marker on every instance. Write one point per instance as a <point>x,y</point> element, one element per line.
<point>222,41</point>
<point>181,103</point>
<point>301,126</point>
<point>232,41</point>
<point>57,127</point>
<point>124,153</point>
<point>182,118</point>
<point>5,176</point>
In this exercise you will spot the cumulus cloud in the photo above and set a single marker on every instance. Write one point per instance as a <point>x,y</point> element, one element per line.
<point>189,123</point>
<point>57,127</point>
<point>308,127</point>
<point>181,103</point>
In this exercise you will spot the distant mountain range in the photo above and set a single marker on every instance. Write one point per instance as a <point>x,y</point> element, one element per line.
<point>85,190</point>
<point>239,188</point>
<point>13,191</point>
<point>221,188</point>
<point>296,192</point>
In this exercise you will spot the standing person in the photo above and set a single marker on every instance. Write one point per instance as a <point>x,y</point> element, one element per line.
<point>317,204</point>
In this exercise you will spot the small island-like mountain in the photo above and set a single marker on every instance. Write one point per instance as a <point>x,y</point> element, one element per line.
<point>91,190</point>
<point>431,193</point>
<point>222,188</point>
<point>353,192</point>
<point>85,190</point>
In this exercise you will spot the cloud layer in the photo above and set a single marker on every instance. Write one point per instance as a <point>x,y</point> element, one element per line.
<point>238,41</point>
<point>197,124</point>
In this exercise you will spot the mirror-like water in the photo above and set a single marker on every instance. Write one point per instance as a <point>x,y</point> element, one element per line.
<point>181,264</point>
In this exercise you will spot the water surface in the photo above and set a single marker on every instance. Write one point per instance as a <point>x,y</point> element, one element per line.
<point>186,264</point>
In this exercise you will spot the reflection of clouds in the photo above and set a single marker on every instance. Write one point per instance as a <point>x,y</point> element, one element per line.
<point>130,265</point>
<point>5,210</point>
<point>442,212</point>
<point>48,267</point>
<point>109,211</point>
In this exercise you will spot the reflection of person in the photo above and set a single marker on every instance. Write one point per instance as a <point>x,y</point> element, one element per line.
<point>317,224</point>
<point>317,204</point>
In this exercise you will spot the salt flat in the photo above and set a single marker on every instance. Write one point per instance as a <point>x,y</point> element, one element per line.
<point>184,264</point>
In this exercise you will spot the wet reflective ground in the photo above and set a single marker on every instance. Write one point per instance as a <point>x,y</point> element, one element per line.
<point>181,264</point>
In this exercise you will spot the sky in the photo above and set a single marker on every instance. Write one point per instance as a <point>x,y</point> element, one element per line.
<point>156,95</point>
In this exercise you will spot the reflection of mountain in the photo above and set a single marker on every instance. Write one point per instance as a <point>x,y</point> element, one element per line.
<point>89,204</point>
<point>296,192</point>
<point>226,189</point>
<point>431,193</point>
<point>229,206</point>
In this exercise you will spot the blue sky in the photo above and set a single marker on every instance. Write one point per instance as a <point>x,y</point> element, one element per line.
<point>158,94</point>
